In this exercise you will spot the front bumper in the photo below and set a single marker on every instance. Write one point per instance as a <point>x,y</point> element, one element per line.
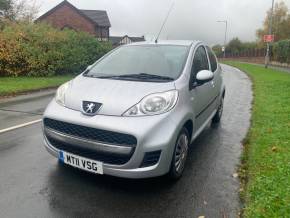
<point>153,133</point>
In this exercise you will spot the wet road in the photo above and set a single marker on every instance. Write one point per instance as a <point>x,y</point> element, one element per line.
<point>18,110</point>
<point>33,184</point>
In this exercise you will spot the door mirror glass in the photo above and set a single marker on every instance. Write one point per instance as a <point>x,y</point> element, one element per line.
<point>204,76</point>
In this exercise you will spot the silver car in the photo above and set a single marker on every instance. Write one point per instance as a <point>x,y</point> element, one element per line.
<point>135,111</point>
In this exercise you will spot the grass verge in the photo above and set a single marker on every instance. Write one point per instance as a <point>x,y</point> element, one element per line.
<point>265,170</point>
<point>14,85</point>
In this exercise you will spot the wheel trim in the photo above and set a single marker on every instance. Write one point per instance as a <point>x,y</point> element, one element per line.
<point>181,153</point>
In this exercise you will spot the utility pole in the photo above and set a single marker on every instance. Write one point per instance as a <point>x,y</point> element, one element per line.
<point>226,30</point>
<point>267,58</point>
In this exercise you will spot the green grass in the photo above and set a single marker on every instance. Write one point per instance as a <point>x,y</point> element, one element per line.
<point>11,85</point>
<point>266,159</point>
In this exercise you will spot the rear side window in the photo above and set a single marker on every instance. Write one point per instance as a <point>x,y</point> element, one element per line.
<point>200,61</point>
<point>212,59</point>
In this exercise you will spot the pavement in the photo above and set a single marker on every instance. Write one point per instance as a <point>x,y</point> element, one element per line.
<point>33,184</point>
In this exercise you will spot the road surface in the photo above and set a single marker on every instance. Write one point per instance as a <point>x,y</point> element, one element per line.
<point>33,184</point>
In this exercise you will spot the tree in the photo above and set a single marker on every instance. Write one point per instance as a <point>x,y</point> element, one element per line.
<point>18,10</point>
<point>281,23</point>
<point>251,45</point>
<point>26,11</point>
<point>234,46</point>
<point>6,7</point>
<point>217,50</point>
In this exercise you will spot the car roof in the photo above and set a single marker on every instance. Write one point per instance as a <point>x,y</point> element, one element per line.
<point>167,42</point>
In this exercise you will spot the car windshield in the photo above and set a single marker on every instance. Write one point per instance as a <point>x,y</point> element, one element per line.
<point>142,62</point>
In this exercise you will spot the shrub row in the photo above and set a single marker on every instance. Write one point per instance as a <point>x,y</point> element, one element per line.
<point>40,50</point>
<point>281,51</point>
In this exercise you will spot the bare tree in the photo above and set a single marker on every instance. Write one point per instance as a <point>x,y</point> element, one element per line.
<point>18,10</point>
<point>25,10</point>
<point>6,8</point>
<point>281,23</point>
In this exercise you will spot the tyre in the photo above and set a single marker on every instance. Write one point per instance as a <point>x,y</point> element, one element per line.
<point>217,117</point>
<point>180,155</point>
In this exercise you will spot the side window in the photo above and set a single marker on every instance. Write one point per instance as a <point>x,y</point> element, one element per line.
<point>200,61</point>
<point>212,59</point>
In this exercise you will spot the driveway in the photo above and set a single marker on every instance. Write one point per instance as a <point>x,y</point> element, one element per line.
<point>33,184</point>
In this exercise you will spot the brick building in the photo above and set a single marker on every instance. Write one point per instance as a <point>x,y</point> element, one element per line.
<point>65,15</point>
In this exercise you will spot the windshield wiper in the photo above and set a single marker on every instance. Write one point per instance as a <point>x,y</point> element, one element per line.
<point>106,77</point>
<point>139,76</point>
<point>144,76</point>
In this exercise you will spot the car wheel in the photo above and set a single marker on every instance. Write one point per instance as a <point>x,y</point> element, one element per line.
<point>217,117</point>
<point>179,155</point>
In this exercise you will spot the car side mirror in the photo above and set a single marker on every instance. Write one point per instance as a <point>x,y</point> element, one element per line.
<point>204,76</point>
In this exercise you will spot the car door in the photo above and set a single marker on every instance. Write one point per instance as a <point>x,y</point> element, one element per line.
<point>201,95</point>
<point>215,68</point>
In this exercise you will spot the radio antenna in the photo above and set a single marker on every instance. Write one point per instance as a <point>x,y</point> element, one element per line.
<point>164,22</point>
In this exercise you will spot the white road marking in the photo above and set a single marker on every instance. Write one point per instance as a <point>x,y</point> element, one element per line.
<point>19,126</point>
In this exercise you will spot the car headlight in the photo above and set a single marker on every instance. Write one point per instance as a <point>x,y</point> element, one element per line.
<point>60,94</point>
<point>153,104</point>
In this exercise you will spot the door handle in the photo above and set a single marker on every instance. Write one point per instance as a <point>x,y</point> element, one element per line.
<point>212,84</point>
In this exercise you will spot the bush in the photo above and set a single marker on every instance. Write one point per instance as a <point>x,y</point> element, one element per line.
<point>40,50</point>
<point>281,51</point>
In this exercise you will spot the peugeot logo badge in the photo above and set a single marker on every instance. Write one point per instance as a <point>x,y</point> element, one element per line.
<point>91,108</point>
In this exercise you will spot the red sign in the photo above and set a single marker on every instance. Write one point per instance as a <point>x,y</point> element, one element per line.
<point>268,38</point>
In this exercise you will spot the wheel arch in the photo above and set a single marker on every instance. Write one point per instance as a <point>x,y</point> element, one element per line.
<point>224,92</point>
<point>189,126</point>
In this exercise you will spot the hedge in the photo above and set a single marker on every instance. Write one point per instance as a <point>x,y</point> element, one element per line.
<point>281,51</point>
<point>40,50</point>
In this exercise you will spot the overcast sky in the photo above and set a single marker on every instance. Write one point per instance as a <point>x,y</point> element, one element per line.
<point>189,19</point>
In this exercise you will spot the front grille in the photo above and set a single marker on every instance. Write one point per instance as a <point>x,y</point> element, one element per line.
<point>150,158</point>
<point>88,153</point>
<point>91,133</point>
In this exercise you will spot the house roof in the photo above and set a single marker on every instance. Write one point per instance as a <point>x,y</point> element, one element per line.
<point>137,39</point>
<point>97,17</point>
<point>117,39</point>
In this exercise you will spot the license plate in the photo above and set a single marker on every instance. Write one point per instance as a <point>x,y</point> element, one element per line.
<point>81,162</point>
